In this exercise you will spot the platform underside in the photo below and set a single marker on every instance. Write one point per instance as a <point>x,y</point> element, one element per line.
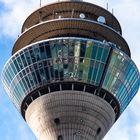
<point>70,115</point>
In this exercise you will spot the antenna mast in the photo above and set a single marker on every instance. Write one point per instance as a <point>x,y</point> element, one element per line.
<point>40,3</point>
<point>107,6</point>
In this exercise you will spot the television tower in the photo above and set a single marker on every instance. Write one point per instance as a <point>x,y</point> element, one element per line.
<point>70,74</point>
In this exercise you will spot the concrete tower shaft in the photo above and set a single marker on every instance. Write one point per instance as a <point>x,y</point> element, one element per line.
<point>70,115</point>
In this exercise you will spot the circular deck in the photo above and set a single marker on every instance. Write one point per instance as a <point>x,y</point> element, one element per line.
<point>70,27</point>
<point>68,9</point>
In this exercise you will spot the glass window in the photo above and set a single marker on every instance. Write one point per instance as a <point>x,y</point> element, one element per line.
<point>81,66</point>
<point>27,82</point>
<point>75,70</point>
<point>89,47</point>
<point>82,49</point>
<point>53,50</point>
<point>48,51</point>
<point>95,69</point>
<point>32,55</point>
<point>24,85</point>
<point>23,59</point>
<point>99,73</point>
<point>94,51</point>
<point>13,68</point>
<point>37,54</point>
<point>99,53</point>
<point>27,56</point>
<point>16,65</point>
<point>21,92</point>
<point>71,59</point>
<point>86,69</point>
<point>34,78</point>
<point>31,79</point>
<point>59,49</point>
<point>11,72</point>
<point>42,74</point>
<point>46,70</point>
<point>19,63</point>
<point>56,68</point>
<point>66,72</point>
<point>105,54</point>
<point>38,76</point>
<point>77,49</point>
<point>70,72</point>
<point>51,73</point>
<point>92,63</point>
<point>68,52</point>
<point>119,78</point>
<point>65,51</point>
<point>42,52</point>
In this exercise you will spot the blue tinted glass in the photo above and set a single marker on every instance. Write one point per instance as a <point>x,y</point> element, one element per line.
<point>66,70</point>
<point>59,49</point>
<point>38,76</point>
<point>120,78</point>
<point>99,53</point>
<point>32,55</point>
<point>70,70</point>
<point>23,60</point>
<point>52,73</point>
<point>16,65</point>
<point>28,82</point>
<point>105,54</point>
<point>48,51</point>
<point>37,54</point>
<point>96,66</point>
<point>42,52</point>
<point>46,70</point>
<point>90,70</point>
<point>63,49</point>
<point>13,68</point>
<point>71,59</point>
<point>11,72</point>
<point>56,70</point>
<point>27,56</point>
<point>94,51</point>
<point>19,63</point>
<point>99,73</point>
<point>33,77</point>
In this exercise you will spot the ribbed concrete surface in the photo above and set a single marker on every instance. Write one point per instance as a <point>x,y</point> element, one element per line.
<point>70,115</point>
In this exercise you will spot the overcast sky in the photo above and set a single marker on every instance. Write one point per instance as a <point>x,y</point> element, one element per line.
<point>12,15</point>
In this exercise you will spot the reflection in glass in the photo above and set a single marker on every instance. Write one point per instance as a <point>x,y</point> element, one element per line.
<point>70,59</point>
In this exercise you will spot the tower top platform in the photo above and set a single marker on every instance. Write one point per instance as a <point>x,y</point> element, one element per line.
<point>70,9</point>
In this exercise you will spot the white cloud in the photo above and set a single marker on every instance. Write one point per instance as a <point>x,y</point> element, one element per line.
<point>137,130</point>
<point>14,14</point>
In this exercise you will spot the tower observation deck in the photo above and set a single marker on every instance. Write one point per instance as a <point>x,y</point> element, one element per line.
<point>70,74</point>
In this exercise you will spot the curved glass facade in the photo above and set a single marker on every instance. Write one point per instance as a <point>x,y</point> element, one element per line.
<point>70,59</point>
<point>122,78</point>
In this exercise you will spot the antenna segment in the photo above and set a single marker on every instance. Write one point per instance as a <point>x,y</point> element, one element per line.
<point>40,3</point>
<point>107,6</point>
